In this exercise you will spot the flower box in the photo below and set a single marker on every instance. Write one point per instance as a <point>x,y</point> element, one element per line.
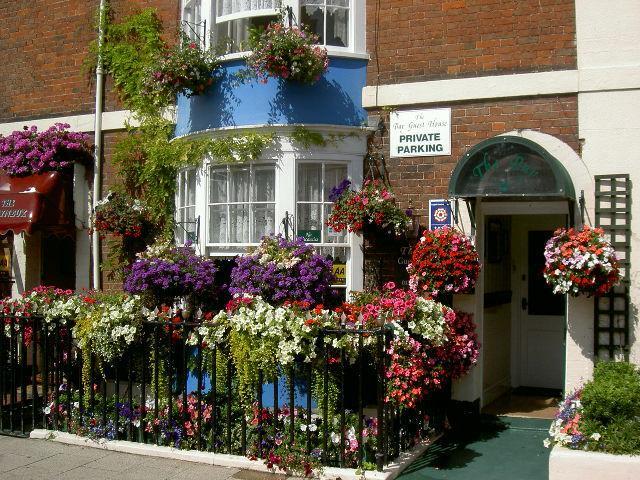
<point>567,464</point>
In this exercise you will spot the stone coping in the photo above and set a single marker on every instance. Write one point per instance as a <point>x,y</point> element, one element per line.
<point>567,464</point>
<point>390,472</point>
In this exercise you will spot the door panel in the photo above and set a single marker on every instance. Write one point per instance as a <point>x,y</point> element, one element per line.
<point>540,313</point>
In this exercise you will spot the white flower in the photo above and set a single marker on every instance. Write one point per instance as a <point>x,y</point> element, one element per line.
<point>313,427</point>
<point>546,442</point>
<point>46,410</point>
<point>335,438</point>
<point>595,436</point>
<point>303,427</point>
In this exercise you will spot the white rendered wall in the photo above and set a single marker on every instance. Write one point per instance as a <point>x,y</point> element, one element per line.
<point>608,45</point>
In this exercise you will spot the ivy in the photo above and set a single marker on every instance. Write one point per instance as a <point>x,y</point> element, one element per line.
<point>310,138</point>
<point>130,50</point>
<point>239,148</point>
<point>307,138</point>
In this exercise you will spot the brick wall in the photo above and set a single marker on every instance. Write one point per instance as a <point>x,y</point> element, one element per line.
<point>413,40</point>
<point>417,180</point>
<point>44,45</point>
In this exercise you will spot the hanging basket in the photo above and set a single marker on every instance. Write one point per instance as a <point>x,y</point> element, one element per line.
<point>580,262</point>
<point>443,262</point>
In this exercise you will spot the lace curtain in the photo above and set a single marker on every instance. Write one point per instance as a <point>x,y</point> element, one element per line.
<point>247,211</point>
<point>229,7</point>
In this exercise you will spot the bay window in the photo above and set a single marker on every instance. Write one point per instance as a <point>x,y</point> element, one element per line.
<point>239,204</point>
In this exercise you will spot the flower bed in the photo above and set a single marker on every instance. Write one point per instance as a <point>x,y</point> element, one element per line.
<point>602,416</point>
<point>207,373</point>
<point>580,262</point>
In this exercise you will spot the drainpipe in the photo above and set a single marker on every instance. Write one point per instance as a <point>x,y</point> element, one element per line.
<point>97,131</point>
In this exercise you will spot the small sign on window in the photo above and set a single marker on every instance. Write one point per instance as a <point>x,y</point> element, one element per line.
<point>340,273</point>
<point>310,236</point>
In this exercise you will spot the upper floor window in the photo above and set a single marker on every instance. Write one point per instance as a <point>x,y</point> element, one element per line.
<point>229,9</point>
<point>329,19</point>
<point>194,24</point>
<point>338,23</point>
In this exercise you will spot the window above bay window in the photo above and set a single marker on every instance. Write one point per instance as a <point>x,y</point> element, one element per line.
<point>339,24</point>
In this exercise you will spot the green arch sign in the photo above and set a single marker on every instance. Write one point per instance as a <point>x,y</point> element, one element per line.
<point>510,166</point>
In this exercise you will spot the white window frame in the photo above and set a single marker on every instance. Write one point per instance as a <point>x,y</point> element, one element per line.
<point>351,28</point>
<point>324,202</point>
<point>182,206</point>
<point>252,168</point>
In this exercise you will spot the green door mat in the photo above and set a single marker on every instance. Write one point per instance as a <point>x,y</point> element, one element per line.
<point>495,448</point>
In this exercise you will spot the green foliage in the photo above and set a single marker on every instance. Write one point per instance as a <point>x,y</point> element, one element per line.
<point>611,408</point>
<point>149,159</point>
<point>239,148</point>
<point>308,138</point>
<point>613,393</point>
<point>130,50</point>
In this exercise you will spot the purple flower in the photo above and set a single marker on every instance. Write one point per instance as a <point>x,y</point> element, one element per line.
<point>27,151</point>
<point>182,273</point>
<point>281,270</point>
<point>338,190</point>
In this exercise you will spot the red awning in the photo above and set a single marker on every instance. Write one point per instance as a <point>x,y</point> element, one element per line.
<point>35,201</point>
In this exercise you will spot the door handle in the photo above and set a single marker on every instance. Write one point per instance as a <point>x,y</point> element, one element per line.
<point>524,304</point>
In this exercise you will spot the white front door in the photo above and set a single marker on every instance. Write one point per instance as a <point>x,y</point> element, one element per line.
<point>539,315</point>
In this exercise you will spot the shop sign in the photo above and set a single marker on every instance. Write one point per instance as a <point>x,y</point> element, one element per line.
<point>440,214</point>
<point>420,133</point>
<point>340,273</point>
<point>310,236</point>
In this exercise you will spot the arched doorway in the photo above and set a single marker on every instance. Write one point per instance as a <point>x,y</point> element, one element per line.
<point>518,194</point>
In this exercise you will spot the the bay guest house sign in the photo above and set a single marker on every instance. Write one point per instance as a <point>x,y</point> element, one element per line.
<point>420,133</point>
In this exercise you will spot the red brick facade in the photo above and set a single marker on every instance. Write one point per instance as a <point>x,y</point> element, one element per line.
<point>44,45</point>
<point>411,41</point>
<point>421,178</point>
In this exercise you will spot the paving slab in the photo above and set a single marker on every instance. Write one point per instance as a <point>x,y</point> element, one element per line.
<point>32,459</point>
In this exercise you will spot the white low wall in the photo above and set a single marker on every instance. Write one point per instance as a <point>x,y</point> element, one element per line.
<point>566,464</point>
<point>390,471</point>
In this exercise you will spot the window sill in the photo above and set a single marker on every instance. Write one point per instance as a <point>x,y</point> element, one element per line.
<point>332,53</point>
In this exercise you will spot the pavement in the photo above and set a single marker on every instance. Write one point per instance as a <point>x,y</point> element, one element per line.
<point>23,458</point>
<point>497,448</point>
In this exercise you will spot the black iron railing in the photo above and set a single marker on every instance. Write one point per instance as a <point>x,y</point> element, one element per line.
<point>167,390</point>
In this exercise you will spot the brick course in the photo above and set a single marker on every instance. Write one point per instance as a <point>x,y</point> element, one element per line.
<point>412,41</point>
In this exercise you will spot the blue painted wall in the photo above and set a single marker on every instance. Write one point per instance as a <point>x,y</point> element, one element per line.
<point>336,99</point>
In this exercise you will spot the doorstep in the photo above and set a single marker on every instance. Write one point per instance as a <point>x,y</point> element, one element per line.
<point>390,472</point>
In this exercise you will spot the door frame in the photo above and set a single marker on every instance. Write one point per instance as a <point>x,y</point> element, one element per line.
<point>498,207</point>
